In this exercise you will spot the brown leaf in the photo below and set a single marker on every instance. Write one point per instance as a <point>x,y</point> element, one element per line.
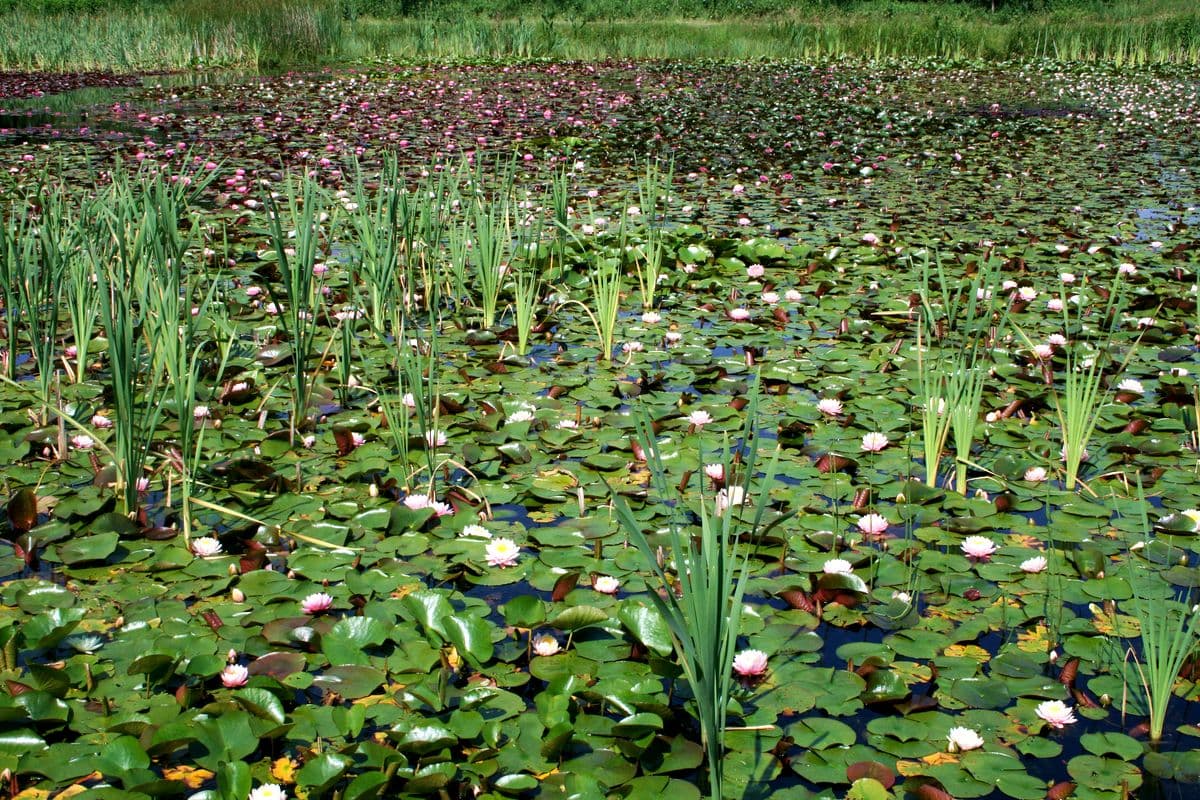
<point>563,586</point>
<point>928,791</point>
<point>1069,671</point>
<point>1060,791</point>
<point>23,511</point>
<point>871,769</point>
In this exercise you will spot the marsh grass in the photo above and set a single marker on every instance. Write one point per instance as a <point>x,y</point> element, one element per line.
<point>35,249</point>
<point>130,244</point>
<point>297,228</point>
<point>378,223</point>
<point>701,598</point>
<point>266,33</point>
<point>1170,632</point>
<point>1088,379</point>
<point>956,327</point>
<point>654,185</point>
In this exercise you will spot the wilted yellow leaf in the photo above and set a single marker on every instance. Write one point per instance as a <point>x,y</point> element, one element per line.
<point>1026,540</point>
<point>284,770</point>
<point>1034,640</point>
<point>41,794</point>
<point>192,777</point>
<point>971,651</point>
<point>1115,624</point>
<point>403,591</point>
<point>933,759</point>
<point>909,768</point>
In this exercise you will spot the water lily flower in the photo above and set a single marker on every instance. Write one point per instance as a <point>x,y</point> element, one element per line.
<point>750,663</point>
<point>102,422</point>
<point>567,424</point>
<point>830,406</point>
<point>316,603</point>
<point>1056,713</point>
<point>1126,269</point>
<point>715,472</point>
<point>1146,322</point>
<point>673,337</point>
<point>606,584</point>
<point>206,547</point>
<point>873,524</point>
<point>502,553</point>
<point>1027,293</point>
<point>632,347</point>
<point>739,314</point>
<point>1034,565</point>
<point>651,317</point>
<point>545,645</point>
<point>357,439</point>
<point>903,597</point>
<point>1067,277</point>
<point>435,438</point>
<point>234,675</point>
<point>84,643</point>
<point>731,496</point>
<point>1035,474</point>
<point>82,441</point>
<point>963,739</point>
<point>793,296</point>
<point>874,442</point>
<point>837,566</point>
<point>476,532</point>
<point>1131,385</point>
<point>200,412</point>
<point>770,298</point>
<point>418,501</point>
<point>268,791</point>
<point>755,271</point>
<point>979,547</point>
<point>870,239</point>
<point>1054,304</point>
<point>519,416</point>
<point>699,418</point>
<point>1044,352</point>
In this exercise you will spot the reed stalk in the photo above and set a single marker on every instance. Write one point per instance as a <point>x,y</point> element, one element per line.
<point>701,598</point>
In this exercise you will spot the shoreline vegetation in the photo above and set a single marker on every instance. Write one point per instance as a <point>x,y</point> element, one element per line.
<point>63,35</point>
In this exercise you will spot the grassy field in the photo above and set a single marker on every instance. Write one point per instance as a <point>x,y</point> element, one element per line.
<point>77,34</point>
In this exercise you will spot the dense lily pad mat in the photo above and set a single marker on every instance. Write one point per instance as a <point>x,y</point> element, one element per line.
<point>453,609</point>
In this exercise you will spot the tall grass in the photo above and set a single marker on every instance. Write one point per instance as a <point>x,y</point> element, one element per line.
<point>132,243</point>
<point>265,33</point>
<point>958,323</point>
<point>297,229</point>
<point>701,600</point>
<point>1170,633</point>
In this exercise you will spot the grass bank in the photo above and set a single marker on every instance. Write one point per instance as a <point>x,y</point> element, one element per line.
<point>265,33</point>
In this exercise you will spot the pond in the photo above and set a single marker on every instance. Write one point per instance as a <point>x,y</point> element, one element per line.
<point>365,429</point>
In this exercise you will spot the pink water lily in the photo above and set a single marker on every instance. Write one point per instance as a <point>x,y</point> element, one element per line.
<point>979,548</point>
<point>234,675</point>
<point>316,603</point>
<point>1056,713</point>
<point>750,663</point>
<point>874,442</point>
<point>873,524</point>
<point>502,553</point>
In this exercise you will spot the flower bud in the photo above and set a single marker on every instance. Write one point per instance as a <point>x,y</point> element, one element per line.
<point>237,595</point>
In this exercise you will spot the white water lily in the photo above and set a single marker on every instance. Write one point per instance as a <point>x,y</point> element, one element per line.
<point>963,739</point>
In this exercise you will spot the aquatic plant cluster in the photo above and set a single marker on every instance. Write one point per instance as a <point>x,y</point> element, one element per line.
<point>556,428</point>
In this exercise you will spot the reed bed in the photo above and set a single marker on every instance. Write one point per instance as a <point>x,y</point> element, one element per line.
<point>272,33</point>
